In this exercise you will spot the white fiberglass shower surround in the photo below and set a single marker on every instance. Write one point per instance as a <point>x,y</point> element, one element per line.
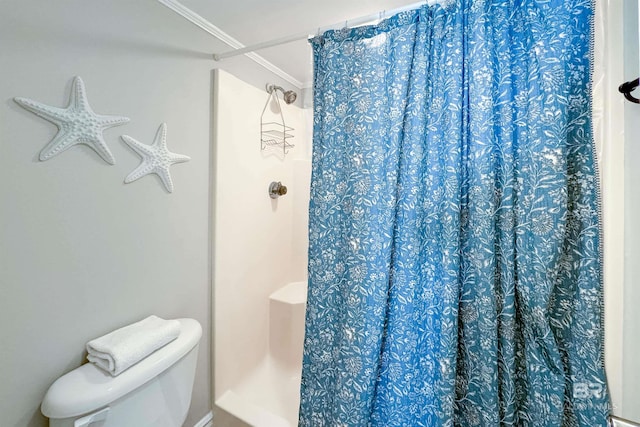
<point>260,260</point>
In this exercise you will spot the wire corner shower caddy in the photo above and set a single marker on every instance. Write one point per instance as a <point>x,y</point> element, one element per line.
<point>273,130</point>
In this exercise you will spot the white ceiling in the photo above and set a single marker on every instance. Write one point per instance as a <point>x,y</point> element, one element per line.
<point>255,21</point>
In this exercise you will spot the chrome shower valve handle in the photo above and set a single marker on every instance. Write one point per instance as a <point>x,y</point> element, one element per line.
<point>276,189</point>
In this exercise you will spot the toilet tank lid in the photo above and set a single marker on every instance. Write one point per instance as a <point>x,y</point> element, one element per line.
<point>88,387</point>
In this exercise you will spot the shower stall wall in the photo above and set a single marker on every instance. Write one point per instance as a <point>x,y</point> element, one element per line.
<point>260,260</point>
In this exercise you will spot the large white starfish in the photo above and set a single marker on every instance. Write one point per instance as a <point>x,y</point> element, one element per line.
<point>77,124</point>
<point>156,158</point>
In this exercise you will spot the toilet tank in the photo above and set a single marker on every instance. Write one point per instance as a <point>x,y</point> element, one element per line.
<point>156,392</point>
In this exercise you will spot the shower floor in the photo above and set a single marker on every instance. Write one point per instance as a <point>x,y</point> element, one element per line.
<point>267,397</point>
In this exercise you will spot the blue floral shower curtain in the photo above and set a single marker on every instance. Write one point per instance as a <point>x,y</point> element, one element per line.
<point>454,258</point>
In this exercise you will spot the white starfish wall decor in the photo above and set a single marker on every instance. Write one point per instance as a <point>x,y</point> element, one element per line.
<point>156,158</point>
<point>77,124</point>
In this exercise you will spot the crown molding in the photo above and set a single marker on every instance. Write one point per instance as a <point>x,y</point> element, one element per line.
<point>215,31</point>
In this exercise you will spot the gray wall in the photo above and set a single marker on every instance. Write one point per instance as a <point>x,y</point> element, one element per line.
<point>631,349</point>
<point>81,253</point>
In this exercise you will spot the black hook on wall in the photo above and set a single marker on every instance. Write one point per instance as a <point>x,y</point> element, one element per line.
<point>627,88</point>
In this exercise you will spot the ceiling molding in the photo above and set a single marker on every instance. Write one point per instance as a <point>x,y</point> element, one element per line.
<point>207,26</point>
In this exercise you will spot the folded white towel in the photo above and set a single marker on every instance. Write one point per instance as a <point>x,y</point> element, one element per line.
<point>124,347</point>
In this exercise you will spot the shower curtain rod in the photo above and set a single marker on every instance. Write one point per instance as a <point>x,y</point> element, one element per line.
<point>301,36</point>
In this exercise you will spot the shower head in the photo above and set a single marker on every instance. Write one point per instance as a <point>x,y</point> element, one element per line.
<point>289,96</point>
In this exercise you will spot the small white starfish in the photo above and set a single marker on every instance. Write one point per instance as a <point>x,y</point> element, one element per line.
<point>77,124</point>
<point>156,158</point>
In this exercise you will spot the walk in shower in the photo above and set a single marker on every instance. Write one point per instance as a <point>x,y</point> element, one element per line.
<point>260,257</point>
<point>260,249</point>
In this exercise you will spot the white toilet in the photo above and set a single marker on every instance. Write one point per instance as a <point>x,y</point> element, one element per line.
<point>156,392</point>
